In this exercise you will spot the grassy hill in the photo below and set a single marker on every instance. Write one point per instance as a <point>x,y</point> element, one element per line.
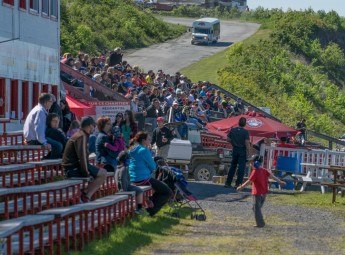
<point>93,26</point>
<point>295,65</point>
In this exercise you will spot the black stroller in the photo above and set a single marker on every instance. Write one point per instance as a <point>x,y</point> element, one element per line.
<point>174,178</point>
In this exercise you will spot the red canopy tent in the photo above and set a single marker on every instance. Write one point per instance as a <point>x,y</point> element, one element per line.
<point>257,125</point>
<point>78,108</point>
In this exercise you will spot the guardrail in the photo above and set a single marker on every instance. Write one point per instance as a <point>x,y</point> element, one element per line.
<point>77,93</point>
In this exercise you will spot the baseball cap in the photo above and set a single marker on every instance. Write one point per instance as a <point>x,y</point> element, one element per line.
<point>239,98</point>
<point>160,119</point>
<point>86,121</point>
<point>175,103</point>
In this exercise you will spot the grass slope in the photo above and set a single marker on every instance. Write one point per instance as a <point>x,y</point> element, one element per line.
<point>207,68</point>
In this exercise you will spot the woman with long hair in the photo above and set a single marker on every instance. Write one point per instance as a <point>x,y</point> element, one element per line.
<point>118,120</point>
<point>67,115</point>
<point>129,127</point>
<point>141,168</point>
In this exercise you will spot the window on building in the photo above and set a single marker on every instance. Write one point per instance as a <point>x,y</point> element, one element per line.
<point>54,8</point>
<point>45,7</point>
<point>22,4</point>
<point>34,5</point>
<point>10,2</point>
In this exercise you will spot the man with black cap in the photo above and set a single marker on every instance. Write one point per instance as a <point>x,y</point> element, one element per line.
<point>75,159</point>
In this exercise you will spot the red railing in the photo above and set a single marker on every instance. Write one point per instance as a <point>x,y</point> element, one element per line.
<point>91,83</point>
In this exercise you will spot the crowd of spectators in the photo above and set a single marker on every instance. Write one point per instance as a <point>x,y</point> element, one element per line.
<point>154,94</point>
<point>155,98</point>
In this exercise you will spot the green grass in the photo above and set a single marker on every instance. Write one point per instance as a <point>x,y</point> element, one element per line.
<point>162,234</point>
<point>206,69</point>
<point>135,235</point>
<point>310,199</point>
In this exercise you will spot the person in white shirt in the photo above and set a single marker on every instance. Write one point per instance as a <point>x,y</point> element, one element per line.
<point>35,126</point>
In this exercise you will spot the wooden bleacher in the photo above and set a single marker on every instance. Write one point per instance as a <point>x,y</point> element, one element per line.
<point>41,212</point>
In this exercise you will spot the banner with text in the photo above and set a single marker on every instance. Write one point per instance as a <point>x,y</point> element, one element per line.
<point>110,108</point>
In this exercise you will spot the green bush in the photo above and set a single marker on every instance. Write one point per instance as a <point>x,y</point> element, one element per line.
<point>95,26</point>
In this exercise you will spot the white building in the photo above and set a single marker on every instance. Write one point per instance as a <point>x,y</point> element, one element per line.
<point>239,4</point>
<point>29,54</point>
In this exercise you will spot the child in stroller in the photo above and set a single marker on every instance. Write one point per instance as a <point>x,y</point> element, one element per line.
<point>174,178</point>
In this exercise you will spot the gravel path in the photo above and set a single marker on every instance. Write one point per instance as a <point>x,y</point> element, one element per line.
<point>229,227</point>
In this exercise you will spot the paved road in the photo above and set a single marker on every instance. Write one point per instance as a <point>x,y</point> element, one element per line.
<point>176,54</point>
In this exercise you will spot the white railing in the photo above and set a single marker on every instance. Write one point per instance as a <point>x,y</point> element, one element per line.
<point>315,156</point>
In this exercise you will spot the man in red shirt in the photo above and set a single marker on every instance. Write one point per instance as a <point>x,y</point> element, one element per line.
<point>259,178</point>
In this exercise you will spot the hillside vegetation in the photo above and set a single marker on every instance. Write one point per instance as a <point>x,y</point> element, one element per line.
<point>93,26</point>
<point>298,72</point>
<point>297,69</point>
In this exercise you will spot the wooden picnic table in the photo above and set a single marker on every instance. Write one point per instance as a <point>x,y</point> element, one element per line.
<point>336,182</point>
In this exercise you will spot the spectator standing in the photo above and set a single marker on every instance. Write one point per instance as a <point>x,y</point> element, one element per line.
<point>35,123</point>
<point>259,179</point>
<point>302,127</point>
<point>67,115</point>
<point>141,168</point>
<point>153,112</point>
<point>138,114</point>
<point>55,108</point>
<point>239,139</point>
<point>162,137</point>
<point>128,126</point>
<point>75,160</point>
<point>115,57</point>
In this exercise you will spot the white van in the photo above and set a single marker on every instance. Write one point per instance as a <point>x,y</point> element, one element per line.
<point>206,30</point>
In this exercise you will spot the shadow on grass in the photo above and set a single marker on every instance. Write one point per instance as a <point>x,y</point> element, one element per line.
<point>134,235</point>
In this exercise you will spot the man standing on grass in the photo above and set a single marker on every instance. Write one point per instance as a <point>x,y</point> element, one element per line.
<point>239,139</point>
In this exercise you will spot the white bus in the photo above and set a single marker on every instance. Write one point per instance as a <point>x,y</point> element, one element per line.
<point>205,30</point>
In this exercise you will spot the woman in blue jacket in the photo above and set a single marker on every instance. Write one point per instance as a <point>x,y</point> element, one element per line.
<point>141,168</point>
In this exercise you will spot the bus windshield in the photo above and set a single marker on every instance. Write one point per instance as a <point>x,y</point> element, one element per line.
<point>201,30</point>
